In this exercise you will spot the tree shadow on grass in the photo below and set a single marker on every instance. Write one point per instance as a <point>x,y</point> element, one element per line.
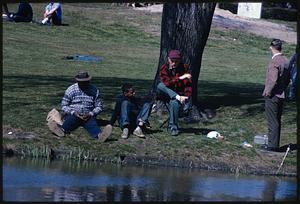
<point>102,122</point>
<point>153,131</point>
<point>111,140</point>
<point>215,94</point>
<point>196,131</point>
<point>50,90</point>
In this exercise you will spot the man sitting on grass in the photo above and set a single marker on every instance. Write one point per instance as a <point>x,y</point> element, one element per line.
<point>81,104</point>
<point>53,14</point>
<point>176,87</point>
<point>131,112</point>
<point>24,13</point>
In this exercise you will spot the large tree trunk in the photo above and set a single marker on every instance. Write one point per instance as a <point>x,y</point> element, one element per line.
<point>185,27</point>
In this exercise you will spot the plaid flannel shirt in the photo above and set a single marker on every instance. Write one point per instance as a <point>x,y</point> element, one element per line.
<point>75,100</point>
<point>172,81</point>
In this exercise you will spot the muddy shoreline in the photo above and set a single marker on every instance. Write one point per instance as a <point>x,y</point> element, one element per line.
<point>216,164</point>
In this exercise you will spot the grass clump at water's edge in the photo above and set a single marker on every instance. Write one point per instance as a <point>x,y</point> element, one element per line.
<point>231,82</point>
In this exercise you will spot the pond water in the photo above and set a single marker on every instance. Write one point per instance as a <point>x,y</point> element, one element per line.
<point>27,179</point>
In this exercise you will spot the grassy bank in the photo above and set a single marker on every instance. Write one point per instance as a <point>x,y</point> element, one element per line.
<point>231,82</point>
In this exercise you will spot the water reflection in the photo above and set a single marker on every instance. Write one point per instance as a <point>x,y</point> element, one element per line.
<point>44,180</point>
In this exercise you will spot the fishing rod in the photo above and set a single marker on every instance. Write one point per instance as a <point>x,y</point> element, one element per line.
<point>287,150</point>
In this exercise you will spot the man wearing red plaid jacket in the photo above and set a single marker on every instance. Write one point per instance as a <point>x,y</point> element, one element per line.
<point>175,86</point>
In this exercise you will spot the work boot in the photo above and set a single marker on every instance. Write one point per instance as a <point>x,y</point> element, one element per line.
<point>53,126</point>
<point>106,132</point>
<point>174,131</point>
<point>125,133</point>
<point>187,105</point>
<point>138,132</point>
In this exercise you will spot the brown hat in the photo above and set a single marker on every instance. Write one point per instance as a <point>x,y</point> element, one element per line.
<point>174,54</point>
<point>83,76</point>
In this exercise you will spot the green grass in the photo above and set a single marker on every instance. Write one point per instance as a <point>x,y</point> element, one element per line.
<point>231,79</point>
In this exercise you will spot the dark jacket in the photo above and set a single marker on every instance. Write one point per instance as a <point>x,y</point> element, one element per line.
<point>277,77</point>
<point>25,10</point>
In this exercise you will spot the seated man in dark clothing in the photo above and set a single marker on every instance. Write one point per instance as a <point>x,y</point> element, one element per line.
<point>131,112</point>
<point>24,13</point>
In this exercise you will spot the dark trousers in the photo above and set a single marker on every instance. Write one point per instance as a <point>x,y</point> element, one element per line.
<point>173,104</point>
<point>19,18</point>
<point>55,19</point>
<point>71,122</point>
<point>273,110</point>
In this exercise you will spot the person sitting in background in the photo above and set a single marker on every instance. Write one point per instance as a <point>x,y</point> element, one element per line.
<point>5,11</point>
<point>24,13</point>
<point>176,87</point>
<point>53,14</point>
<point>81,104</point>
<point>131,112</point>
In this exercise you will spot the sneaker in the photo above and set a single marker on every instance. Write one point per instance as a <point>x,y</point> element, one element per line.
<point>174,131</point>
<point>138,132</point>
<point>45,20</point>
<point>125,133</point>
<point>55,128</point>
<point>106,132</point>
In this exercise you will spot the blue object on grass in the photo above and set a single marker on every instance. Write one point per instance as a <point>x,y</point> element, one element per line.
<point>83,58</point>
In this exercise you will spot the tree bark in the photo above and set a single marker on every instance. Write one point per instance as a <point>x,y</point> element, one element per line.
<point>185,27</point>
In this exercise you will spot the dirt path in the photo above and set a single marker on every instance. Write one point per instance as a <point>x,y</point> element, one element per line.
<point>224,19</point>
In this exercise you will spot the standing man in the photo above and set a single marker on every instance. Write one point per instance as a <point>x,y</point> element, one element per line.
<point>81,104</point>
<point>53,13</point>
<point>277,79</point>
<point>175,86</point>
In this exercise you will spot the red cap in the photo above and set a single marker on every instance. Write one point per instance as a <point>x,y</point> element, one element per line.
<point>174,54</point>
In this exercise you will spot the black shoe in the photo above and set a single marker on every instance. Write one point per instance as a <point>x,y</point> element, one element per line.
<point>269,149</point>
<point>187,105</point>
<point>284,147</point>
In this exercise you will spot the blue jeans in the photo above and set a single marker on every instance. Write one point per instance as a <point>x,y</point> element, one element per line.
<point>292,89</point>
<point>173,104</point>
<point>131,115</point>
<point>71,122</point>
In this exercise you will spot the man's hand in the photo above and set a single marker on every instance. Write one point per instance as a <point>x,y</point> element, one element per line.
<point>181,99</point>
<point>266,94</point>
<point>82,117</point>
<point>46,14</point>
<point>188,76</point>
